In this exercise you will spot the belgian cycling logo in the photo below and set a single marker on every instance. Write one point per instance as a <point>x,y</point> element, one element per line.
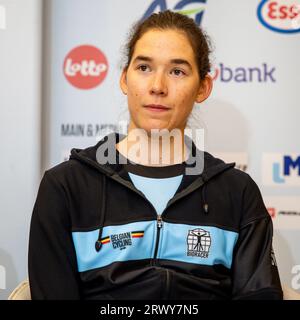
<point>191,8</point>
<point>122,240</point>
<point>198,243</point>
<point>85,67</point>
<point>280,16</point>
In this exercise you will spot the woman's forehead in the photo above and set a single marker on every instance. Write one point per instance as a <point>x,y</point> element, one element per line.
<point>158,44</point>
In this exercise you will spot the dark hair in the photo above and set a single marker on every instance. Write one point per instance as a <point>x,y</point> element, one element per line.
<point>200,42</point>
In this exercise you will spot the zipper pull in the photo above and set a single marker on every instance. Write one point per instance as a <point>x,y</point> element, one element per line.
<point>159,221</point>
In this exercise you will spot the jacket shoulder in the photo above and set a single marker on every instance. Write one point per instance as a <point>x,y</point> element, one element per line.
<point>253,207</point>
<point>239,175</point>
<point>64,167</point>
<point>67,171</point>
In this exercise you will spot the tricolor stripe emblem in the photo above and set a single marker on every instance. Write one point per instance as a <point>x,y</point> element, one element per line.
<point>105,240</point>
<point>137,234</point>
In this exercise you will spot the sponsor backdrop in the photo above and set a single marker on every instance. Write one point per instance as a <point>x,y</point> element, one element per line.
<point>20,132</point>
<point>251,117</point>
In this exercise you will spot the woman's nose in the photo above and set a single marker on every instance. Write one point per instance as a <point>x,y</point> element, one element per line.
<point>159,85</point>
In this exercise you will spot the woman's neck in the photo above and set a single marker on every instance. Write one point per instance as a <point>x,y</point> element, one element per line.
<point>156,149</point>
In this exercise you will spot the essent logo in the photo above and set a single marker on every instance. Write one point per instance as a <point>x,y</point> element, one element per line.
<point>192,8</point>
<point>85,67</point>
<point>280,16</point>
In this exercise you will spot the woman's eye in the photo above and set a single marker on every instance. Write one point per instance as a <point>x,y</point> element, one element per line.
<point>142,67</point>
<point>178,72</point>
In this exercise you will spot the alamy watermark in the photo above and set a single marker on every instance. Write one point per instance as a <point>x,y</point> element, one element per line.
<point>2,278</point>
<point>157,148</point>
<point>296,279</point>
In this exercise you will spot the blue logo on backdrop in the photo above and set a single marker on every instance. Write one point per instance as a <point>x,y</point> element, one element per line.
<point>181,7</point>
<point>281,170</point>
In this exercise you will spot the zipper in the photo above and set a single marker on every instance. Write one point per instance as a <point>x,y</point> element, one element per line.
<point>159,225</point>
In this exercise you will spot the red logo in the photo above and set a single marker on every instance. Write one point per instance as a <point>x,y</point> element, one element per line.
<point>280,15</point>
<point>277,11</point>
<point>85,67</point>
<point>272,212</point>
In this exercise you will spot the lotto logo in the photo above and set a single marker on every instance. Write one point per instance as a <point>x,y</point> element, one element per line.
<point>85,67</point>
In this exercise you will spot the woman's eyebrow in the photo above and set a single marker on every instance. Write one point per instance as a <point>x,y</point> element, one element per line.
<point>172,61</point>
<point>143,58</point>
<point>181,61</point>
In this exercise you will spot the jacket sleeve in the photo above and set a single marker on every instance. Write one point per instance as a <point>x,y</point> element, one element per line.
<point>254,269</point>
<point>52,262</point>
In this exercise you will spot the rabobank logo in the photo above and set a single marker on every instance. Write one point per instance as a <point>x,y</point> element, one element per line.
<point>264,73</point>
<point>281,169</point>
<point>280,16</point>
<point>192,8</point>
<point>85,67</point>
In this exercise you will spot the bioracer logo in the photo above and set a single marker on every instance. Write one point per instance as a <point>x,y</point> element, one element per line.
<point>198,243</point>
<point>85,67</point>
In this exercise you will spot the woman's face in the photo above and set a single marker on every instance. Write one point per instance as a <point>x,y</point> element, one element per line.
<point>162,81</point>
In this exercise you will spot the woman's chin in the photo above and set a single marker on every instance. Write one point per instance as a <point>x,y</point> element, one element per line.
<point>152,126</point>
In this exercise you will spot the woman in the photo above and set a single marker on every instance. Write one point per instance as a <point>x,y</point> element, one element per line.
<point>143,227</point>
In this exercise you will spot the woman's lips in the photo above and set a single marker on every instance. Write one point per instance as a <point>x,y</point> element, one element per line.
<point>157,107</point>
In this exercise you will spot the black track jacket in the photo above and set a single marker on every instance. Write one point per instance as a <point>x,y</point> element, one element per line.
<point>93,235</point>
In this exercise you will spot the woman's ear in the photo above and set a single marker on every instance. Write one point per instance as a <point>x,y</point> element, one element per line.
<point>123,81</point>
<point>205,89</point>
